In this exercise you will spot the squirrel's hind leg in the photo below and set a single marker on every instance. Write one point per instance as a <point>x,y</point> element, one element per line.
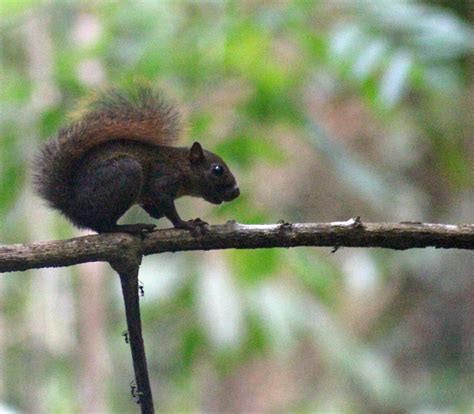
<point>105,190</point>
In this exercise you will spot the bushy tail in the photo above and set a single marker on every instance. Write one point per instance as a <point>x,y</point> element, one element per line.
<point>141,116</point>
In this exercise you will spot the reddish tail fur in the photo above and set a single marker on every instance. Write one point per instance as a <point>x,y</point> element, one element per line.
<point>142,116</point>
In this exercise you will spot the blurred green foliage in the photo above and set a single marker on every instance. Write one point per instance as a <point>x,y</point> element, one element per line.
<point>324,110</point>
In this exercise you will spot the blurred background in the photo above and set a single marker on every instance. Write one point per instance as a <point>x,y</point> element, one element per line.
<point>325,110</point>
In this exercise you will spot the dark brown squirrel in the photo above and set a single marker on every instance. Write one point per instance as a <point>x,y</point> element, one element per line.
<point>120,153</point>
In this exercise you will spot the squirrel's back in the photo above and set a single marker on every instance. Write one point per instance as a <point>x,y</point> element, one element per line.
<point>142,116</point>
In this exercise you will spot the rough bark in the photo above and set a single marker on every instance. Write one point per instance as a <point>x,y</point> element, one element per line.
<point>124,252</point>
<point>352,233</point>
<point>141,389</point>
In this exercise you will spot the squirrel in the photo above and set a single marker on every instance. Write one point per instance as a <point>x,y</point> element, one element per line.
<point>122,152</point>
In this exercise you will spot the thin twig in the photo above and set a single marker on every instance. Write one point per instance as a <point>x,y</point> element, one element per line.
<point>127,268</point>
<point>132,310</point>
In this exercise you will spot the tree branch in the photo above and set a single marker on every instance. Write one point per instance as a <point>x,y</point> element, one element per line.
<point>114,247</point>
<point>128,272</point>
<point>124,252</point>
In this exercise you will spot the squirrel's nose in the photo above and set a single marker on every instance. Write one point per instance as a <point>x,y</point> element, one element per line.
<point>230,193</point>
<point>235,192</point>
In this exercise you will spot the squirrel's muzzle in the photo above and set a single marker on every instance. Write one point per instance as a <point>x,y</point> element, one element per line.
<point>231,194</point>
<point>227,194</point>
<point>234,193</point>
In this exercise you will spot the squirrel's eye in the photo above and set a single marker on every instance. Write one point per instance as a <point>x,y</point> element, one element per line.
<point>217,170</point>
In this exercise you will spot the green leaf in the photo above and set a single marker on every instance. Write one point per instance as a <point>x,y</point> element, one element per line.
<point>254,266</point>
<point>393,84</point>
<point>11,173</point>
<point>246,150</point>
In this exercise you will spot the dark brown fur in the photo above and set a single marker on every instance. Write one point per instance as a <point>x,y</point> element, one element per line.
<point>119,154</point>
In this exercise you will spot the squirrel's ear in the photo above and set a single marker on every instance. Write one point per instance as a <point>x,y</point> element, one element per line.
<point>196,154</point>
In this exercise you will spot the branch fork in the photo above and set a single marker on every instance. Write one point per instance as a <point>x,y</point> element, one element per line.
<point>125,251</point>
